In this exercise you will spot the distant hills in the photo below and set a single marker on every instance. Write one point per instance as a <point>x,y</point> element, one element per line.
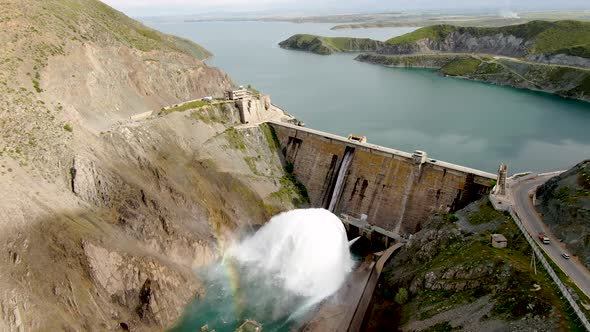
<point>530,39</point>
<point>539,55</point>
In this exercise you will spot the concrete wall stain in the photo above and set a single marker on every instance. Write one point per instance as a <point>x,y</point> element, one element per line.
<point>394,192</point>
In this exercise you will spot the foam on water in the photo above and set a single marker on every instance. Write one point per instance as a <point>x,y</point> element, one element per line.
<point>307,249</point>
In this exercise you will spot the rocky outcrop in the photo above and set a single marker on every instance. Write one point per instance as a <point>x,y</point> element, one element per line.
<point>445,278</point>
<point>157,292</point>
<point>564,202</point>
<point>561,42</point>
<point>560,59</point>
<point>464,42</point>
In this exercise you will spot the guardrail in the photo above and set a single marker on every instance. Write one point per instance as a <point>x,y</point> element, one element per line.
<point>549,269</point>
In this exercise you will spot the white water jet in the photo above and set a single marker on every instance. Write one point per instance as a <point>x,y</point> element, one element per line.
<point>346,161</point>
<point>306,250</point>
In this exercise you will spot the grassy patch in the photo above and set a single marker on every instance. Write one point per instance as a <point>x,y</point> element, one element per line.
<point>486,214</point>
<point>569,37</point>
<point>251,162</point>
<point>235,139</point>
<point>36,86</point>
<point>433,32</point>
<point>185,107</point>
<point>271,136</point>
<point>461,67</point>
<point>290,187</point>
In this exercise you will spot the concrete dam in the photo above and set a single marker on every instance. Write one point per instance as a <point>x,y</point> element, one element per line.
<point>390,190</point>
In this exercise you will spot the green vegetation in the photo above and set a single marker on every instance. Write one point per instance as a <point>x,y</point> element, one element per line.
<point>450,217</point>
<point>235,139</point>
<point>433,32</point>
<point>115,24</point>
<point>36,86</point>
<point>272,139</point>
<point>486,214</point>
<point>402,296</point>
<point>211,113</point>
<point>290,186</point>
<point>584,177</point>
<point>251,162</point>
<point>441,327</point>
<point>68,127</point>
<point>567,37</point>
<point>185,107</point>
<point>457,269</point>
<point>254,92</point>
<point>328,45</point>
<point>461,67</point>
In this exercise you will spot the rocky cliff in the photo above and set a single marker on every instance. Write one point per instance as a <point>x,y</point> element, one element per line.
<point>561,42</point>
<point>104,218</point>
<point>328,45</point>
<point>564,202</point>
<point>449,277</point>
<point>564,81</point>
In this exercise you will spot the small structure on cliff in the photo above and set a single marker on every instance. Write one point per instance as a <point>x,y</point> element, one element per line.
<point>237,94</point>
<point>498,241</point>
<point>251,104</point>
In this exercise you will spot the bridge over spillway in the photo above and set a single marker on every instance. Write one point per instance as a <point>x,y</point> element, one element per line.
<point>389,191</point>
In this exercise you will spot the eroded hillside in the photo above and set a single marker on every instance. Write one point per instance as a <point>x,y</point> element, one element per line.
<point>103,218</point>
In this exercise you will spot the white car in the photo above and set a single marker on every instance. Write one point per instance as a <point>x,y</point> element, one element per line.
<point>565,255</point>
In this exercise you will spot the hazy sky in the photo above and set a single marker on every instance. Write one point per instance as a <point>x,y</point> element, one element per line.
<point>310,7</point>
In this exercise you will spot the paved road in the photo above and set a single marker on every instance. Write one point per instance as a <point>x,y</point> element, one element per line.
<point>523,206</point>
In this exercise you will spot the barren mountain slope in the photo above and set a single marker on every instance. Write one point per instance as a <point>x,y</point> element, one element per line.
<point>102,218</point>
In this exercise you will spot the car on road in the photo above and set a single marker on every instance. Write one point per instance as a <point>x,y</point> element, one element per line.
<point>565,255</point>
<point>544,238</point>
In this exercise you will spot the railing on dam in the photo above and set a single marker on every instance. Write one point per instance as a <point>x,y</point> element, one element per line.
<point>356,321</point>
<point>549,270</point>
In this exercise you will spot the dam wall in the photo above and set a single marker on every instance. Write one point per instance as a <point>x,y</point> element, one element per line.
<point>383,187</point>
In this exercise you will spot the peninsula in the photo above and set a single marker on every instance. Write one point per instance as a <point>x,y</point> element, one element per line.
<point>545,56</point>
<point>329,45</point>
